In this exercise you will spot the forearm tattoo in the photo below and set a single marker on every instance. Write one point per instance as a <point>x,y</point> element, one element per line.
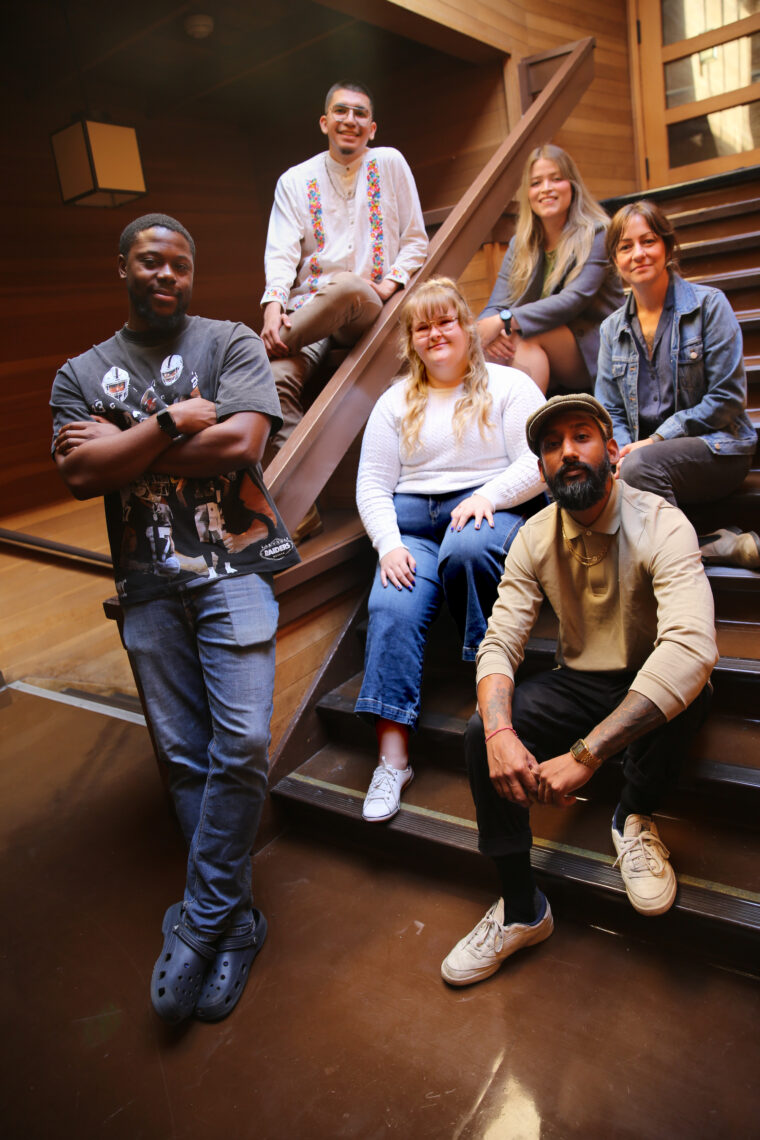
<point>495,701</point>
<point>634,717</point>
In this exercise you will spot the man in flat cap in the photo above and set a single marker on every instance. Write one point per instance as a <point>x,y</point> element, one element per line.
<point>622,571</point>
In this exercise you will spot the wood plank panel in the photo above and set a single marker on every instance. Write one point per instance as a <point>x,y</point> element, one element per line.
<point>524,30</point>
<point>59,291</point>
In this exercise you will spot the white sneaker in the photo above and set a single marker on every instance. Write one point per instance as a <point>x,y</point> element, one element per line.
<point>648,877</point>
<point>383,798</point>
<point>480,953</point>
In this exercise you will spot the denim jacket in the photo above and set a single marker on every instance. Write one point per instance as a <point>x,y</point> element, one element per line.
<point>707,362</point>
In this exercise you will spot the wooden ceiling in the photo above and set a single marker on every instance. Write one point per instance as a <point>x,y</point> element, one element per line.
<point>101,59</point>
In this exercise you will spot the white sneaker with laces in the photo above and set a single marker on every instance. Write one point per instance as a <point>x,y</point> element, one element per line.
<point>649,879</point>
<point>481,952</point>
<point>383,798</point>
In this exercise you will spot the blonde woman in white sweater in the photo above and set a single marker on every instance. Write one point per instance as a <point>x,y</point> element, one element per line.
<point>445,481</point>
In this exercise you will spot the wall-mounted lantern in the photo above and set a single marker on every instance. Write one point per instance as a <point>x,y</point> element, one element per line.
<point>98,164</point>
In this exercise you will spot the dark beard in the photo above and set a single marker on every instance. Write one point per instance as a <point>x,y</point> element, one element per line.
<point>580,495</point>
<point>157,321</point>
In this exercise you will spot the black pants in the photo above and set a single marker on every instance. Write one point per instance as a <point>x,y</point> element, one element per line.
<point>550,712</point>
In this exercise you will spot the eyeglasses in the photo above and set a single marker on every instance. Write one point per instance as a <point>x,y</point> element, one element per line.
<point>443,324</point>
<point>341,111</point>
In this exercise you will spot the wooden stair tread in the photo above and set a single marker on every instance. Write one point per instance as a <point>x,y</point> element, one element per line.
<point>711,213</point>
<point>332,564</point>
<point>710,246</point>
<point>731,279</point>
<point>725,752</point>
<point>342,538</point>
<point>706,191</point>
<point>717,862</point>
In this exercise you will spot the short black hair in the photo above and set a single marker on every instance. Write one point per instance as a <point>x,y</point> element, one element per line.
<point>350,85</point>
<point>147,222</point>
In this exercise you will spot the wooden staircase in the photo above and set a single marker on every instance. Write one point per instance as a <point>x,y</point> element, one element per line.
<point>322,769</point>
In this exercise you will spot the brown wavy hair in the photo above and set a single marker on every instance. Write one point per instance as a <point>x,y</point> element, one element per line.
<point>434,298</point>
<point>658,222</point>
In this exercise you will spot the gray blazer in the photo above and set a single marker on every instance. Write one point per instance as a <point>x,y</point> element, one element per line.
<point>582,305</point>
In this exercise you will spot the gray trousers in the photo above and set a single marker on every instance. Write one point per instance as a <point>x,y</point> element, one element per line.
<point>684,470</point>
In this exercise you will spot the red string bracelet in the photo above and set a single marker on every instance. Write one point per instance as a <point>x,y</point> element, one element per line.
<point>504,728</point>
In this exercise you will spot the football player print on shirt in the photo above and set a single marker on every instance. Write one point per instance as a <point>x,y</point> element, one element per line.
<point>148,539</point>
<point>172,368</point>
<point>151,543</point>
<point>116,384</point>
<point>252,517</point>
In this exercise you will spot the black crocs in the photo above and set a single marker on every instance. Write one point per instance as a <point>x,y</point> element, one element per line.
<point>226,979</point>
<point>179,972</point>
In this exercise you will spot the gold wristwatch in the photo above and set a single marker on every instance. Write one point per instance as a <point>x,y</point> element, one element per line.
<point>581,752</point>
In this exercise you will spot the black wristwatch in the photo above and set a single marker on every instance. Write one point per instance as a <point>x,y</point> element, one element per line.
<point>506,319</point>
<point>167,424</point>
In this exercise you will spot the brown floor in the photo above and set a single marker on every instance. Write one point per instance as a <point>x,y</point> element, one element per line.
<point>345,1030</point>
<point>54,634</point>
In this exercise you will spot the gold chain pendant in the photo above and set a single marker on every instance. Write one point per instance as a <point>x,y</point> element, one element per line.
<point>595,558</point>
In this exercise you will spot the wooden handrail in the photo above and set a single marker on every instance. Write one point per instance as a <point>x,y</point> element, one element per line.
<point>301,469</point>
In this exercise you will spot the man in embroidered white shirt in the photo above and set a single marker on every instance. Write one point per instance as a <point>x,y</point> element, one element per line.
<point>346,232</point>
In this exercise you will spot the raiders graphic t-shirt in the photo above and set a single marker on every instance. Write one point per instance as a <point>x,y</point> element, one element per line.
<point>166,530</point>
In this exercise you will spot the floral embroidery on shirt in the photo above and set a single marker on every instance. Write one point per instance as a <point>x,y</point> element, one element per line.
<point>275,293</point>
<point>375,219</point>
<point>318,229</point>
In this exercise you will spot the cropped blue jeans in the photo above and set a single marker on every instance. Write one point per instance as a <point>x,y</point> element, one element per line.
<point>463,567</point>
<point>205,660</point>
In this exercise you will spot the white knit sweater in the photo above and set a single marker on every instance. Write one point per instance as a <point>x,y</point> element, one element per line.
<point>499,465</point>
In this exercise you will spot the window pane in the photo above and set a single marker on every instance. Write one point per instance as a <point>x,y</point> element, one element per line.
<point>708,136</point>
<point>682,19</point>
<point>713,72</point>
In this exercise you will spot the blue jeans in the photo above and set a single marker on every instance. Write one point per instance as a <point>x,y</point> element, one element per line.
<point>205,660</point>
<point>464,567</point>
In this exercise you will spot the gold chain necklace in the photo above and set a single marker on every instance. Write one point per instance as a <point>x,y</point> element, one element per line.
<point>595,558</point>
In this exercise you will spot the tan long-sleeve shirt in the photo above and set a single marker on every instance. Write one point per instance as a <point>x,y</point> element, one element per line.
<point>646,606</point>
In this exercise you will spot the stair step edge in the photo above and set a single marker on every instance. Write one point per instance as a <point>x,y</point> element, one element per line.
<point>713,901</point>
<point>449,730</point>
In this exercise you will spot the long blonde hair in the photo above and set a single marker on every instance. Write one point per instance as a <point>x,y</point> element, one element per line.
<point>434,298</point>
<point>584,217</point>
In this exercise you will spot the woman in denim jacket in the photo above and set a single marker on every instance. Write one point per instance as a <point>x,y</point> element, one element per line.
<point>671,375</point>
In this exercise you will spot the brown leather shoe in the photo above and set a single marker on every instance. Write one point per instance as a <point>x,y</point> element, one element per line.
<point>309,525</point>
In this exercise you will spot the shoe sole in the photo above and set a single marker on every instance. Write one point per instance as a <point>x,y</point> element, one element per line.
<point>542,932</point>
<point>656,906</point>
<point>385,818</point>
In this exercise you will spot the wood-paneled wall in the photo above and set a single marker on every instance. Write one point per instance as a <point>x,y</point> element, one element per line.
<point>599,132</point>
<point>58,287</point>
<point>59,291</point>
